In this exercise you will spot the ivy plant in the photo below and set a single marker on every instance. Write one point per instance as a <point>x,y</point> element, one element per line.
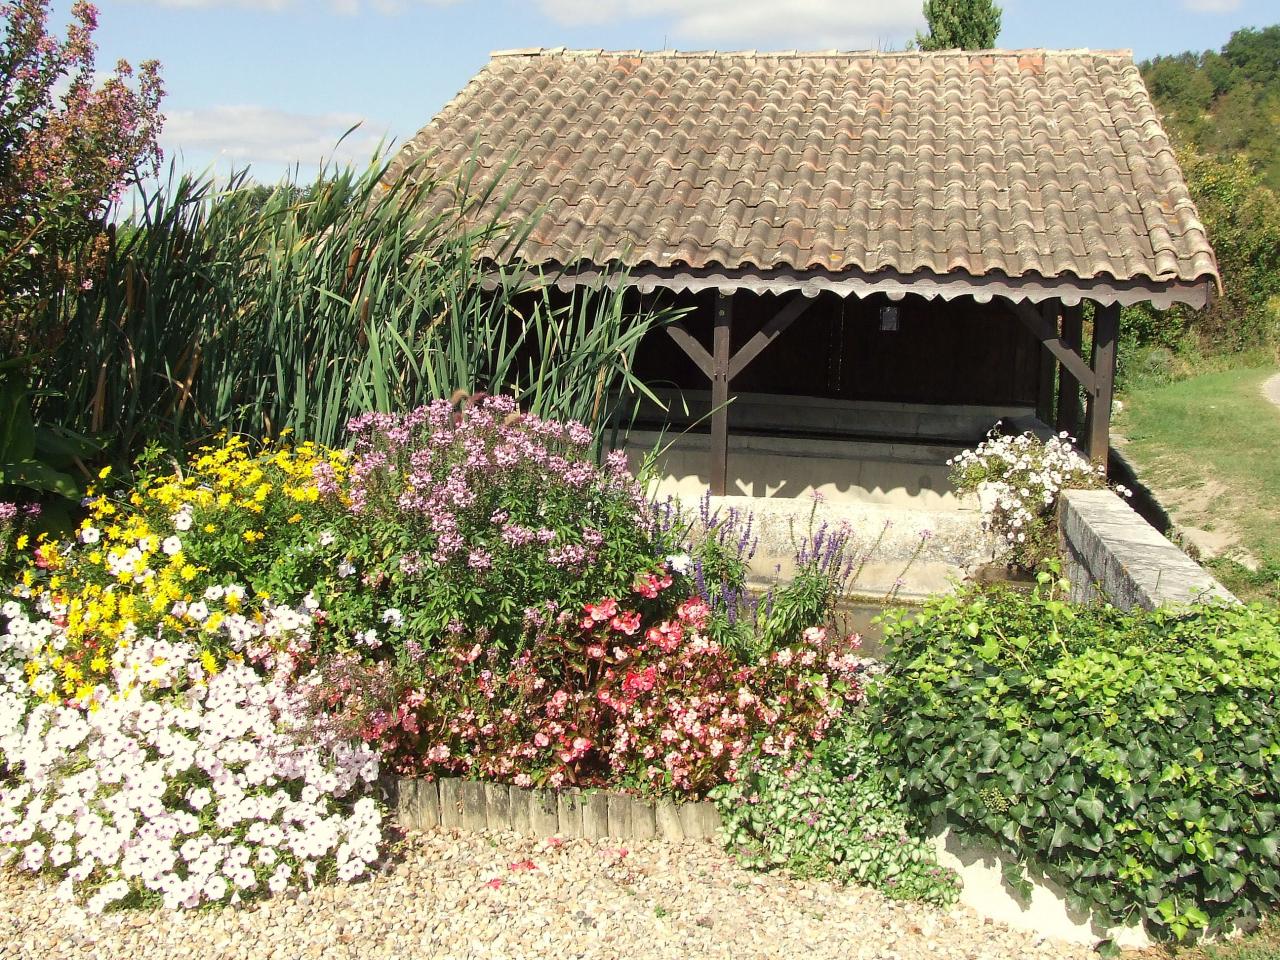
<point>831,814</point>
<point>1133,757</point>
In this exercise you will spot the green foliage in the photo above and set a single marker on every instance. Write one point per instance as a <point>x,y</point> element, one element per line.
<point>1260,583</point>
<point>834,814</point>
<point>1132,757</point>
<point>1221,103</point>
<point>1222,109</point>
<point>222,308</point>
<point>960,25</point>
<point>1242,218</point>
<point>34,456</point>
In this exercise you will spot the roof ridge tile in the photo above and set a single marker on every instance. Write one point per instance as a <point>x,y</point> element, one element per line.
<point>812,54</point>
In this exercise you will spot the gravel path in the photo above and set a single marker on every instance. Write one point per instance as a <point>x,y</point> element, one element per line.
<point>501,896</point>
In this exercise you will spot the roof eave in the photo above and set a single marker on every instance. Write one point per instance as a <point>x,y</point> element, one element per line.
<point>1160,294</point>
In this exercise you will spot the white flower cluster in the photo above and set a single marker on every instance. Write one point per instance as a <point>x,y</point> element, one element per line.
<point>177,784</point>
<point>1018,479</point>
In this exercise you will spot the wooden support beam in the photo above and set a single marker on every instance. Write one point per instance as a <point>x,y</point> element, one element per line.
<point>1106,334</point>
<point>788,315</point>
<point>1046,377</point>
<point>1069,386</point>
<point>692,348</point>
<point>720,344</point>
<point>1045,332</point>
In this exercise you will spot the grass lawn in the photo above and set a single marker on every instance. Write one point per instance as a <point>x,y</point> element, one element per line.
<point>1209,447</point>
<point>1262,945</point>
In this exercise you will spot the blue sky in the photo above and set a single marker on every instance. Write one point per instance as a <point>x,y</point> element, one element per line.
<point>276,82</point>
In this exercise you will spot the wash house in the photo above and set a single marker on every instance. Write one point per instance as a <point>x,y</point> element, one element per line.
<point>880,253</point>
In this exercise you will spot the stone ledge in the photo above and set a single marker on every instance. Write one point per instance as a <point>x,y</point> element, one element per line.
<point>1113,554</point>
<point>984,890</point>
<point>593,815</point>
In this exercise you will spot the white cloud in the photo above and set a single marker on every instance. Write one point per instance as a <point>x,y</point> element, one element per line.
<point>1211,6</point>
<point>260,135</point>
<point>276,6</point>
<point>767,24</point>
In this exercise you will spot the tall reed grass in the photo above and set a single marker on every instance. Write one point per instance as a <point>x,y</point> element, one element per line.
<point>224,306</point>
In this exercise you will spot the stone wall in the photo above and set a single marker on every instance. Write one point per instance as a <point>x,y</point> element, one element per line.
<point>1110,552</point>
<point>594,815</point>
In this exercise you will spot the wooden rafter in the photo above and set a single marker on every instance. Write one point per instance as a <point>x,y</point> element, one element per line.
<point>1048,334</point>
<point>692,348</point>
<point>720,366</point>
<point>768,333</point>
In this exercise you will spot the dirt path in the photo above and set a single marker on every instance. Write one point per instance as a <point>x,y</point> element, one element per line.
<point>1271,389</point>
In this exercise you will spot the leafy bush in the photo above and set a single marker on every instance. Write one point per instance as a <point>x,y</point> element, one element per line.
<point>70,144</point>
<point>16,521</point>
<point>831,813</point>
<point>1018,479</point>
<point>719,545</point>
<point>482,522</point>
<point>200,548</point>
<point>604,697</point>
<point>1131,756</point>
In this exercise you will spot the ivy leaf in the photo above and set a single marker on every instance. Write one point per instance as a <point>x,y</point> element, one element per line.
<point>1061,834</point>
<point>1091,807</point>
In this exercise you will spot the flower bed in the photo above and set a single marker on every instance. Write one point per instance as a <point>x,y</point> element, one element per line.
<point>201,686</point>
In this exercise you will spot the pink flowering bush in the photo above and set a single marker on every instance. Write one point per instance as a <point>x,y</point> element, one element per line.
<point>604,697</point>
<point>71,143</point>
<point>480,522</point>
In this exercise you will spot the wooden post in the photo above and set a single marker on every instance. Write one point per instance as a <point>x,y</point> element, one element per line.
<point>721,366</point>
<point>1068,385</point>
<point>1106,333</point>
<point>720,345</point>
<point>1047,377</point>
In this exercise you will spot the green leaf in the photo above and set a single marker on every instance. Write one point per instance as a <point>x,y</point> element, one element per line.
<point>1090,806</point>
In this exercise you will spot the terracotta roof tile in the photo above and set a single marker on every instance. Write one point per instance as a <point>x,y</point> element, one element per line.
<point>1033,162</point>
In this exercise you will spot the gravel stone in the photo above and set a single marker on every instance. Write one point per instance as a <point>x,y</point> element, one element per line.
<point>444,894</point>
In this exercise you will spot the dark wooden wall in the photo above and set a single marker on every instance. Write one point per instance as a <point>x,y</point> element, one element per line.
<point>956,352</point>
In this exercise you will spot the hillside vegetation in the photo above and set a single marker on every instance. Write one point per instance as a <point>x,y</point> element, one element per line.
<point>1222,110</point>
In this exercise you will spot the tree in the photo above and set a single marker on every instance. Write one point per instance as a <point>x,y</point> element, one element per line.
<point>69,147</point>
<point>1254,55</point>
<point>960,25</point>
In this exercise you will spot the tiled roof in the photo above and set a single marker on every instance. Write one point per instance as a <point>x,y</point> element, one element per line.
<point>1033,163</point>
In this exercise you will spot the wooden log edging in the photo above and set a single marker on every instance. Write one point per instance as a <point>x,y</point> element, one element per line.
<point>453,803</point>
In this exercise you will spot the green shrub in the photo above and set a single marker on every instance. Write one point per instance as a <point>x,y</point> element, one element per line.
<point>834,815</point>
<point>1132,757</point>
